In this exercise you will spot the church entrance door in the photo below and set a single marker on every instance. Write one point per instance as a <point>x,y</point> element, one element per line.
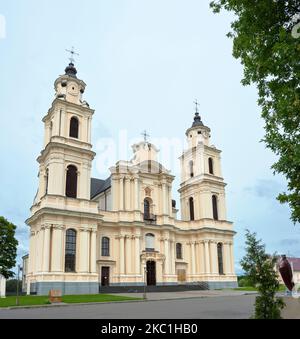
<point>151,273</point>
<point>104,276</point>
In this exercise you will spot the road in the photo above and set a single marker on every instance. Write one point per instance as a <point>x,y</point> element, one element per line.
<point>220,307</point>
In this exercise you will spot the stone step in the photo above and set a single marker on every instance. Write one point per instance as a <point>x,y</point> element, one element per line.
<point>140,289</point>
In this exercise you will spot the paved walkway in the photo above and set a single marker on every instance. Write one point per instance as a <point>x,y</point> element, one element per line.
<point>188,294</point>
<point>193,308</point>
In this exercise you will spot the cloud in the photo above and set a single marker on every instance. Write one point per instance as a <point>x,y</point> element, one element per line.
<point>289,242</point>
<point>265,188</point>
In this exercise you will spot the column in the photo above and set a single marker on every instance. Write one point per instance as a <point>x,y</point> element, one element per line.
<point>114,194</point>
<point>57,249</point>
<point>231,257</point>
<point>31,253</point>
<point>167,259</point>
<point>172,257</point>
<point>62,123</point>
<point>121,195</point>
<point>197,257</point>
<point>226,258</point>
<point>207,257</point>
<point>164,199</point>
<point>128,257</point>
<point>93,251</point>
<point>214,257</point>
<point>137,254</point>
<point>122,254</point>
<point>84,250</point>
<point>40,249</point>
<point>46,252</point>
<point>202,257</point>
<point>193,257</point>
<point>127,194</point>
<point>170,200</point>
<point>136,193</point>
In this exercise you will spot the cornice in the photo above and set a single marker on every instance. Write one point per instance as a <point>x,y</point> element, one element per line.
<point>53,144</point>
<point>66,213</point>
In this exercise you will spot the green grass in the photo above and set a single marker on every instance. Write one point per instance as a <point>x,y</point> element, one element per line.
<point>282,288</point>
<point>69,299</point>
<point>245,288</point>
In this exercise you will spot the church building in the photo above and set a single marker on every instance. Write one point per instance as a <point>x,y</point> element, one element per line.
<point>88,235</point>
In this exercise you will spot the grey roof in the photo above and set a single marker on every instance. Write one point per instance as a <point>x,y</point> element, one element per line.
<point>98,186</point>
<point>197,120</point>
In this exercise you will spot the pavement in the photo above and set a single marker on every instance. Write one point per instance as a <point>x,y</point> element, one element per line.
<point>220,307</point>
<point>188,294</point>
<point>159,305</point>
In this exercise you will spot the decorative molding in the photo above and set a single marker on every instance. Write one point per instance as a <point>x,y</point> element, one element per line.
<point>58,227</point>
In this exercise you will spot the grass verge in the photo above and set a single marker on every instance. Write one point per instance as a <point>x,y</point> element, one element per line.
<point>30,300</point>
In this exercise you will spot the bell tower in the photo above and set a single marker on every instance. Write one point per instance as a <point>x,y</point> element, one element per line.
<point>202,189</point>
<point>65,161</point>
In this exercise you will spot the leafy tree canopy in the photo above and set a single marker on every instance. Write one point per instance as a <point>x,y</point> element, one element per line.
<point>266,38</point>
<point>8,247</point>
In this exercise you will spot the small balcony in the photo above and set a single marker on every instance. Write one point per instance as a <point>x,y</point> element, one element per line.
<point>150,218</point>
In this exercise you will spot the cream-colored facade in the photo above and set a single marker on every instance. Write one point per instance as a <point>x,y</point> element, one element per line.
<point>124,231</point>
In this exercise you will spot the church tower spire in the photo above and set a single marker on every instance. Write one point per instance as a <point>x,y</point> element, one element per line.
<point>202,193</point>
<point>65,161</point>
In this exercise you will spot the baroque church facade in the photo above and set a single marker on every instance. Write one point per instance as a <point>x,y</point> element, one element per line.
<point>87,233</point>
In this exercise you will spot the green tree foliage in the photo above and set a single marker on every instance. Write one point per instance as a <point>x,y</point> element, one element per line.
<point>11,286</point>
<point>266,39</point>
<point>8,247</point>
<point>260,271</point>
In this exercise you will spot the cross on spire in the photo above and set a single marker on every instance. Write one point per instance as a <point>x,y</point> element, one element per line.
<point>72,53</point>
<point>196,104</point>
<point>145,135</point>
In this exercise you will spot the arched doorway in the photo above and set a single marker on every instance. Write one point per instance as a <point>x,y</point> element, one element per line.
<point>151,273</point>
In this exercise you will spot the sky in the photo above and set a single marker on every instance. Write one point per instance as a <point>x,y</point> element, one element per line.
<point>144,63</point>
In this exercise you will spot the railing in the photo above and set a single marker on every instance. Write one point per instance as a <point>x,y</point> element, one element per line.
<point>151,218</point>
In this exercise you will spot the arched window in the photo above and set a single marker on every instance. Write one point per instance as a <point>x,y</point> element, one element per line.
<point>220,258</point>
<point>179,251</point>
<point>210,166</point>
<point>105,247</point>
<point>71,182</point>
<point>146,209</point>
<point>191,165</point>
<point>51,129</point>
<point>46,181</point>
<point>150,242</point>
<point>74,127</point>
<point>70,251</point>
<point>215,207</point>
<point>191,203</point>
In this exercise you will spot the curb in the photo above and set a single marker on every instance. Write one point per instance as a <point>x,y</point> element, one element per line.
<point>67,304</point>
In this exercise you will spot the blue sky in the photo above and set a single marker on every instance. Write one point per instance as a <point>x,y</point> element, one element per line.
<point>144,63</point>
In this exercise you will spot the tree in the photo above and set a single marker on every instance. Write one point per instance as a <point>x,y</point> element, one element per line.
<point>260,271</point>
<point>8,247</point>
<point>266,39</point>
<point>11,286</point>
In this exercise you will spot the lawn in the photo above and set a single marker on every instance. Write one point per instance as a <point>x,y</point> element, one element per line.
<point>69,299</point>
<point>282,288</point>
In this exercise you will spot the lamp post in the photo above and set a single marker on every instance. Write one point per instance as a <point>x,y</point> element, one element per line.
<point>145,283</point>
<point>19,270</point>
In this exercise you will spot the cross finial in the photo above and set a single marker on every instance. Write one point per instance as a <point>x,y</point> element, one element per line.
<point>145,135</point>
<point>72,53</point>
<point>196,104</point>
